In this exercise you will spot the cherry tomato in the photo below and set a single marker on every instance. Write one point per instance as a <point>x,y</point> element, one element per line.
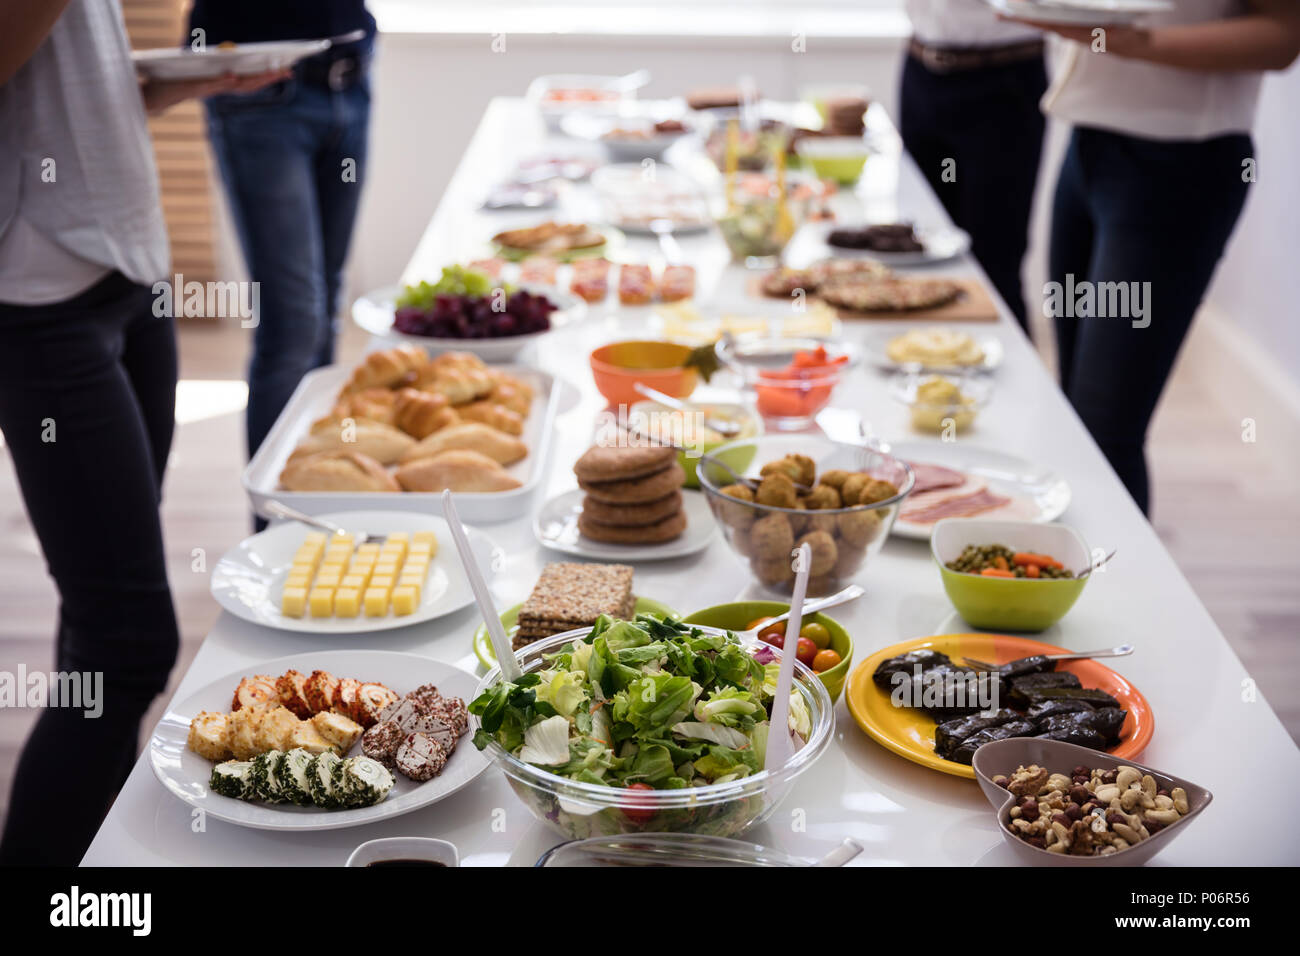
<point>825,660</point>
<point>806,652</point>
<point>757,622</point>
<point>638,810</point>
<point>774,637</point>
<point>816,633</point>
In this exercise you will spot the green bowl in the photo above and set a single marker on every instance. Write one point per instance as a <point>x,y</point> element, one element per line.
<point>510,617</point>
<point>737,615</point>
<point>1010,604</point>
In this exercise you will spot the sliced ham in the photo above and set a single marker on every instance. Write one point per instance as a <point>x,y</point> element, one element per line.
<point>955,506</point>
<point>933,477</point>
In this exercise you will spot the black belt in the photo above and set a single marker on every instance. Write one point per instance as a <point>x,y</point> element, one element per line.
<point>948,59</point>
<point>335,71</point>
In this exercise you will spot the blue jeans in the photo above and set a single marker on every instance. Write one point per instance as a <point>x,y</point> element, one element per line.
<point>1133,211</point>
<point>292,157</point>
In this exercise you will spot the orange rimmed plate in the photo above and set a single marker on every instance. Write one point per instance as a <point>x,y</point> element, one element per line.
<point>910,733</point>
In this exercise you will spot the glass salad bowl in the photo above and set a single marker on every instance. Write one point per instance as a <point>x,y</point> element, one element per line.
<point>580,810</point>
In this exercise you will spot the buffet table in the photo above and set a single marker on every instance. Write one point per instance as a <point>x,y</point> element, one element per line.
<point>1210,728</point>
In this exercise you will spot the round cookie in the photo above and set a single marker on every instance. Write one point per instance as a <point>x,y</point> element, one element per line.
<point>636,491</point>
<point>618,462</point>
<point>632,516</point>
<point>656,533</point>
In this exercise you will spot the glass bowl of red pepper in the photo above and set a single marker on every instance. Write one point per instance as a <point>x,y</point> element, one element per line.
<point>791,379</point>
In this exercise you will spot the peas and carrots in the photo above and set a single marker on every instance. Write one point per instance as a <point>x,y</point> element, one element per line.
<point>999,561</point>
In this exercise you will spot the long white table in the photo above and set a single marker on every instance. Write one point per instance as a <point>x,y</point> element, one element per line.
<point>1209,728</point>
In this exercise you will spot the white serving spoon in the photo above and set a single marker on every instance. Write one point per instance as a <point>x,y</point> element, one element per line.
<point>779,746</point>
<point>510,669</point>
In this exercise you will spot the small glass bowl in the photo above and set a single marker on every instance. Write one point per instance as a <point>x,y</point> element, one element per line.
<point>786,404</point>
<point>940,416</point>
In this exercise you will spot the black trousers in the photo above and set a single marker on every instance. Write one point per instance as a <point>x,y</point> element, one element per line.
<point>1145,214</point>
<point>87,407</point>
<point>987,122</point>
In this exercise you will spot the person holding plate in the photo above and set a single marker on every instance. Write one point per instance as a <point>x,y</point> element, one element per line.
<point>1157,170</point>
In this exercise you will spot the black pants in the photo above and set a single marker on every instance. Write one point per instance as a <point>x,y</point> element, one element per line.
<point>87,406</point>
<point>1135,211</point>
<point>988,123</point>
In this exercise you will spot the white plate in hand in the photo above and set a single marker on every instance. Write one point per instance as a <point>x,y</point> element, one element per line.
<point>186,774</point>
<point>242,59</point>
<point>1036,493</point>
<point>556,527</point>
<point>249,578</point>
<point>1080,12</point>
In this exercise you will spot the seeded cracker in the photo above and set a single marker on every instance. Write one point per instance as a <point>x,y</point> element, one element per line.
<point>569,595</point>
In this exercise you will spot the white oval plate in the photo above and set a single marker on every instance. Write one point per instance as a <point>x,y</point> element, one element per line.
<point>1080,12</point>
<point>248,579</point>
<point>941,244</point>
<point>374,313</point>
<point>185,774</point>
<point>1043,493</point>
<point>875,351</point>
<point>183,63</point>
<point>556,527</point>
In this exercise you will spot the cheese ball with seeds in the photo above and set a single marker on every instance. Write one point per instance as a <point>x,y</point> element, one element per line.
<point>799,468</point>
<point>823,496</point>
<point>776,490</point>
<point>739,516</point>
<point>824,552</point>
<point>772,537</point>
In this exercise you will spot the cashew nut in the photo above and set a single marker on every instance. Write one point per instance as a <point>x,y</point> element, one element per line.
<point>1126,777</point>
<point>1180,799</point>
<point>1127,833</point>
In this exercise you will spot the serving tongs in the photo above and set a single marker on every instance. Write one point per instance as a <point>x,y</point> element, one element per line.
<point>1123,650</point>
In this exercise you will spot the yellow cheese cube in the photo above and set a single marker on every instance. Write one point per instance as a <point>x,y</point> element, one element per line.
<point>329,578</point>
<point>416,565</point>
<point>416,586</point>
<point>308,555</point>
<point>383,581</point>
<point>425,549</point>
<point>321,601</point>
<point>371,549</point>
<point>293,602</point>
<point>376,602</point>
<point>405,600</point>
<point>398,537</point>
<point>337,555</point>
<point>425,537</point>
<point>386,569</point>
<point>297,580</point>
<point>355,581</point>
<point>314,537</point>
<point>347,602</point>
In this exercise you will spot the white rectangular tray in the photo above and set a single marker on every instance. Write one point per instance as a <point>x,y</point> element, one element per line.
<point>313,399</point>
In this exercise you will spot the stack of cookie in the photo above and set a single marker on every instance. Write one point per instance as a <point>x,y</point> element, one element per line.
<point>574,595</point>
<point>633,494</point>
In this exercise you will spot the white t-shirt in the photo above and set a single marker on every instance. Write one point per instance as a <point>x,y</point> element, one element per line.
<point>964,23</point>
<point>1149,100</point>
<point>78,188</point>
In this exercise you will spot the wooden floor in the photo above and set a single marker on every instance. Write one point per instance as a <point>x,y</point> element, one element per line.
<point>1232,537</point>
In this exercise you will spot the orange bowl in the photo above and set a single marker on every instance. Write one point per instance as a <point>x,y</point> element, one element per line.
<point>617,367</point>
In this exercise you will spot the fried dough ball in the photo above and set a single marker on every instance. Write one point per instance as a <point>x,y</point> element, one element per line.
<point>823,496</point>
<point>799,468</point>
<point>858,528</point>
<point>835,477</point>
<point>777,490</point>
<point>824,552</point>
<point>737,515</point>
<point>827,523</point>
<point>852,487</point>
<point>774,572</point>
<point>772,537</point>
<point>876,490</point>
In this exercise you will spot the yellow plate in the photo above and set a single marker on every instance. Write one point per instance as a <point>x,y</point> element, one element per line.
<point>510,618</point>
<point>910,733</point>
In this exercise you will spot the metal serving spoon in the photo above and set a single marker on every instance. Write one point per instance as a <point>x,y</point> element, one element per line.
<point>272,509</point>
<point>850,593</point>
<point>1123,650</point>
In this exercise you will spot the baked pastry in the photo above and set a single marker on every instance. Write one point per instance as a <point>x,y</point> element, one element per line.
<point>336,471</point>
<point>384,443</point>
<point>458,385</point>
<point>373,403</point>
<point>459,470</point>
<point>386,369</point>
<point>490,413</point>
<point>469,436</point>
<point>420,414</point>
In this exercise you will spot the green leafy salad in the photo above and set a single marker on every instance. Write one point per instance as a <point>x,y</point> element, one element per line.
<point>646,703</point>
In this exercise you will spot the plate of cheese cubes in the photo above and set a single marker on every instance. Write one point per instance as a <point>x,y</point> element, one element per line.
<point>387,570</point>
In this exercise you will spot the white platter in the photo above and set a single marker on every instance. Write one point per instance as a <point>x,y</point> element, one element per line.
<point>249,578</point>
<point>374,312</point>
<point>313,399</point>
<point>875,351</point>
<point>1080,12</point>
<point>942,243</point>
<point>185,774</point>
<point>556,527</point>
<point>183,63</point>
<point>1042,494</point>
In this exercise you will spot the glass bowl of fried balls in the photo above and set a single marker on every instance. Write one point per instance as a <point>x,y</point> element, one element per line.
<point>840,499</point>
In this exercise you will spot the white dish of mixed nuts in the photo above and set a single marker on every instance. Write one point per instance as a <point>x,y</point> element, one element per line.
<point>1063,804</point>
